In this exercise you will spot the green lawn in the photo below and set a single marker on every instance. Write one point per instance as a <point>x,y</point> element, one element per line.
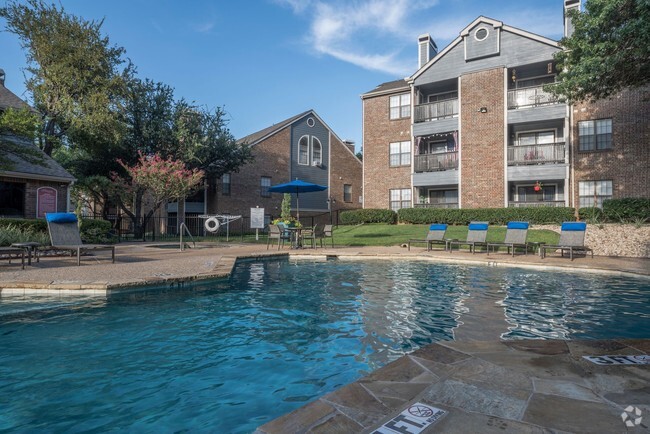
<point>391,235</point>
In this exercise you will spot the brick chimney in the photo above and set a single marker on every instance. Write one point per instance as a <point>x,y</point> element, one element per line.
<point>568,25</point>
<point>427,49</point>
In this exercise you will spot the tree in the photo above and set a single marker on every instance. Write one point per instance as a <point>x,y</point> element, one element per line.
<point>74,78</point>
<point>608,51</point>
<point>163,179</point>
<point>17,126</point>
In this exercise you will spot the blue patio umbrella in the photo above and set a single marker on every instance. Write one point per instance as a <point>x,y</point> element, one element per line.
<point>297,186</point>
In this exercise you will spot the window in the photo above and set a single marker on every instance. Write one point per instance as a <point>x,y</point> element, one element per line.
<point>347,193</point>
<point>400,198</point>
<point>481,33</point>
<point>537,138</point>
<point>593,193</point>
<point>265,183</point>
<point>400,154</point>
<point>12,199</point>
<point>316,152</point>
<point>595,135</point>
<point>400,106</point>
<point>303,151</point>
<point>225,184</point>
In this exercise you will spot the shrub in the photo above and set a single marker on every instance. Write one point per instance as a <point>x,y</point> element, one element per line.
<point>359,216</point>
<point>496,216</point>
<point>10,234</point>
<point>628,210</point>
<point>591,214</point>
<point>34,225</point>
<point>96,231</point>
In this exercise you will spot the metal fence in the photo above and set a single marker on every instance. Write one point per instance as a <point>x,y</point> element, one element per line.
<point>166,228</point>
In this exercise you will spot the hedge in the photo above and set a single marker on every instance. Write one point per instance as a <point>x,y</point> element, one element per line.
<point>496,216</point>
<point>628,210</point>
<point>359,216</point>
<point>591,214</point>
<point>91,231</point>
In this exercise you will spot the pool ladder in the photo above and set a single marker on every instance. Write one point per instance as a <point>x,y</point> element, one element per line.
<point>185,229</point>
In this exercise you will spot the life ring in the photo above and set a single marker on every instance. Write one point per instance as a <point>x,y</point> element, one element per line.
<point>212,224</point>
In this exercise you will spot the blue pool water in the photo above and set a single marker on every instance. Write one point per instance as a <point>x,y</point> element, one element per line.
<point>230,355</point>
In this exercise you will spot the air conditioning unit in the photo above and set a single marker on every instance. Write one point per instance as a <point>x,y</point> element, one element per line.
<point>316,163</point>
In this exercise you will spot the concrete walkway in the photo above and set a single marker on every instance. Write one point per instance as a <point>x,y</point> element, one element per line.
<point>483,383</point>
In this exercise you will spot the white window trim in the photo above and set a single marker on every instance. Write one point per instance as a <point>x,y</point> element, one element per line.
<point>595,135</point>
<point>308,151</point>
<point>315,162</point>
<point>555,130</point>
<point>487,33</point>
<point>400,106</point>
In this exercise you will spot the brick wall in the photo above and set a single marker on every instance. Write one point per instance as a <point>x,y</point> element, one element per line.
<point>272,160</point>
<point>482,139</point>
<point>31,189</point>
<point>378,132</point>
<point>345,168</point>
<point>627,164</point>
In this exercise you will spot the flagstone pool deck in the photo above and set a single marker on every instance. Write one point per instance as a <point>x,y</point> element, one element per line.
<point>485,384</point>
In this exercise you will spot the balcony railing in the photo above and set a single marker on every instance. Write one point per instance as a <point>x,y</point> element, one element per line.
<point>536,204</point>
<point>547,153</point>
<point>437,205</point>
<point>436,110</point>
<point>530,97</point>
<point>436,162</point>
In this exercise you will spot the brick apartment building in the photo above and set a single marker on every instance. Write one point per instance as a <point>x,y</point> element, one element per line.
<point>27,189</point>
<point>302,147</point>
<point>473,127</point>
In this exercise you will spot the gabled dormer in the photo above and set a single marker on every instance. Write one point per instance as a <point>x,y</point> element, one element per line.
<point>482,38</point>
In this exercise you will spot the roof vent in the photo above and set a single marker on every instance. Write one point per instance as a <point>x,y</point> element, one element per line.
<point>427,49</point>
<point>2,77</point>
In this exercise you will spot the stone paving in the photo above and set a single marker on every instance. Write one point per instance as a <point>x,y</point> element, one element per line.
<point>484,383</point>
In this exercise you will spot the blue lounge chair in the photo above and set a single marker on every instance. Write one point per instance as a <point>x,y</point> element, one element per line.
<point>516,234</point>
<point>476,236</point>
<point>572,239</point>
<point>436,235</point>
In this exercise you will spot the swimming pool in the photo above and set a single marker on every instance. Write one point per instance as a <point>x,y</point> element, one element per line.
<point>229,355</point>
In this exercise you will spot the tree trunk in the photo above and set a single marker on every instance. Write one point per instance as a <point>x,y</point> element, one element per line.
<point>48,140</point>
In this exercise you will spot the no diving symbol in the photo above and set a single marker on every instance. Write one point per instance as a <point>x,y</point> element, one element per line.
<point>420,411</point>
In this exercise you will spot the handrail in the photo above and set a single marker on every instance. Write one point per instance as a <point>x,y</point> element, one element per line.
<point>184,226</point>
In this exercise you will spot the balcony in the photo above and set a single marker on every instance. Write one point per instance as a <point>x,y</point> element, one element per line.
<point>437,205</point>
<point>436,162</point>
<point>548,153</point>
<point>436,110</point>
<point>534,96</point>
<point>537,204</point>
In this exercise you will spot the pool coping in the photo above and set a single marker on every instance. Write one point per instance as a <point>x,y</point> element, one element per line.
<point>225,264</point>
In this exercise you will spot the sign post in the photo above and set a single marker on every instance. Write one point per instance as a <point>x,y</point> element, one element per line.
<point>257,221</point>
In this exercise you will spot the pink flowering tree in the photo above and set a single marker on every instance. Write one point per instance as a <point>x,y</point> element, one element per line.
<point>161,180</point>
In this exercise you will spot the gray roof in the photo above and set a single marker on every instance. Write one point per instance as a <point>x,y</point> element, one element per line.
<point>8,99</point>
<point>387,87</point>
<point>50,170</point>
<point>251,139</point>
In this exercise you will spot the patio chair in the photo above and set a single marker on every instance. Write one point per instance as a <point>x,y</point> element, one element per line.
<point>312,234</point>
<point>516,234</point>
<point>13,252</point>
<point>328,232</point>
<point>276,233</point>
<point>436,235</point>
<point>64,235</point>
<point>572,238</point>
<point>476,235</point>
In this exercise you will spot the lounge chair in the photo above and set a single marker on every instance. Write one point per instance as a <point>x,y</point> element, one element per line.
<point>436,235</point>
<point>516,234</point>
<point>572,238</point>
<point>64,235</point>
<point>13,252</point>
<point>476,235</point>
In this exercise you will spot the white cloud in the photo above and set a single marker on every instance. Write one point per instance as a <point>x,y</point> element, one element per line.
<point>381,35</point>
<point>205,27</point>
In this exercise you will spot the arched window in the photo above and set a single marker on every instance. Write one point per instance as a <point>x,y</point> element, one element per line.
<point>316,152</point>
<point>303,151</point>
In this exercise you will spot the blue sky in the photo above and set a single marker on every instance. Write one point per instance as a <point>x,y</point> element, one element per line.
<point>267,60</point>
